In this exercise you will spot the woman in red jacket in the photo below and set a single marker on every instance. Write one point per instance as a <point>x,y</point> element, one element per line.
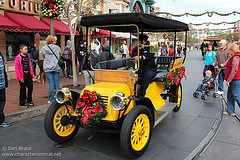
<point>233,79</point>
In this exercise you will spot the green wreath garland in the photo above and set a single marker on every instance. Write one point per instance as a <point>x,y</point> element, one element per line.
<point>51,8</point>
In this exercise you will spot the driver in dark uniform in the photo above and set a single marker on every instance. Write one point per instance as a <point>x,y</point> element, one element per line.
<point>147,68</point>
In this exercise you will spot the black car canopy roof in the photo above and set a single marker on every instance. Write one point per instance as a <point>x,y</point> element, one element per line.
<point>145,22</point>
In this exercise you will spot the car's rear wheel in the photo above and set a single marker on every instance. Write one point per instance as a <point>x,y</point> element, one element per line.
<point>136,131</point>
<point>215,95</point>
<point>179,98</point>
<point>57,123</point>
<point>204,96</point>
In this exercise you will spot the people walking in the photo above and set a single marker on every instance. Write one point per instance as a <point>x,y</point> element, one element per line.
<point>81,53</point>
<point>164,50</point>
<point>95,46</point>
<point>209,58</point>
<point>3,86</point>
<point>51,53</point>
<point>124,49</point>
<point>41,77</point>
<point>203,45</point>
<point>35,57</point>
<point>171,51</point>
<point>24,74</point>
<point>67,54</point>
<point>233,79</point>
<point>220,60</point>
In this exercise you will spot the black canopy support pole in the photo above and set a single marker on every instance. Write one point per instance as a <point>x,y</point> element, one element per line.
<point>110,43</point>
<point>130,39</point>
<point>175,42</point>
<point>87,39</point>
<point>185,49</point>
<point>87,61</point>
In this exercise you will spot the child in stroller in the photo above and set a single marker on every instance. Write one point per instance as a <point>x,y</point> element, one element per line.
<point>208,84</point>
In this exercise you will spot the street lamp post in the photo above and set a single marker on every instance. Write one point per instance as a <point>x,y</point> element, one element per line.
<point>51,27</point>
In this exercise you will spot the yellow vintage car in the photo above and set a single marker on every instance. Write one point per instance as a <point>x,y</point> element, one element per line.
<point>110,103</point>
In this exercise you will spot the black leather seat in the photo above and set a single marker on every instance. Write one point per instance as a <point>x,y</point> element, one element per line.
<point>159,76</point>
<point>112,64</point>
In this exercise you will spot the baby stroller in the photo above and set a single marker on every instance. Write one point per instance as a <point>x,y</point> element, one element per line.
<point>209,83</point>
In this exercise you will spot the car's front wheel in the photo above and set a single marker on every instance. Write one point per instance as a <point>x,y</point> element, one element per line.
<point>136,131</point>
<point>57,123</point>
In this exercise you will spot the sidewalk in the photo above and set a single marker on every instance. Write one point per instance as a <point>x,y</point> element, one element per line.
<point>227,141</point>
<point>40,94</point>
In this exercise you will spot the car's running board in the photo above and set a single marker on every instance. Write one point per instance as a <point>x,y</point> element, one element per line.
<point>163,112</point>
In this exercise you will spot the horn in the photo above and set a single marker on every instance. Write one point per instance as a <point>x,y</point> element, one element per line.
<point>63,95</point>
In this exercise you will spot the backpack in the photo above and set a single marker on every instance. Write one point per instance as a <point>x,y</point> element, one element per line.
<point>121,50</point>
<point>67,53</point>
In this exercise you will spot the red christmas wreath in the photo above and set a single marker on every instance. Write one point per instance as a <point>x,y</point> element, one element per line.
<point>174,77</point>
<point>90,108</point>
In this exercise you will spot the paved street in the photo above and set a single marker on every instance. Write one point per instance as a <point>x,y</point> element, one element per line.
<point>173,139</point>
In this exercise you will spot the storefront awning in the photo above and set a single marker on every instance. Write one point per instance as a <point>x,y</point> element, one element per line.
<point>124,35</point>
<point>8,25</point>
<point>28,23</point>
<point>102,33</point>
<point>59,26</point>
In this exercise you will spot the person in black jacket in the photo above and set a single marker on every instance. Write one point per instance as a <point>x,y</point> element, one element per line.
<point>81,53</point>
<point>147,66</point>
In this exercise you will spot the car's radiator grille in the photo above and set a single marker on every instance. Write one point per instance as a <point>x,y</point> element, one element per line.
<point>105,99</point>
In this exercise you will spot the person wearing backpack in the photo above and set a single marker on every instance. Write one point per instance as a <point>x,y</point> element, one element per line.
<point>67,54</point>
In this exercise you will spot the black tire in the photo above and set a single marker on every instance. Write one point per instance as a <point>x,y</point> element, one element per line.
<point>126,131</point>
<point>197,95</point>
<point>215,95</point>
<point>204,96</point>
<point>49,124</point>
<point>178,106</point>
<point>207,93</point>
<point>194,94</point>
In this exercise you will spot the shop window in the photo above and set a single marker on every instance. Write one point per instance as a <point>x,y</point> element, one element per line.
<point>13,40</point>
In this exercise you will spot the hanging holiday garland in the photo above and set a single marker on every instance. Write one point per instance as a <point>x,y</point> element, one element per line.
<point>217,29</point>
<point>210,14</point>
<point>51,8</point>
<point>208,23</point>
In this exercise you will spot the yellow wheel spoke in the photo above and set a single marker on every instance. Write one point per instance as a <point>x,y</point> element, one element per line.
<point>66,111</point>
<point>58,118</point>
<point>59,127</point>
<point>65,128</point>
<point>63,131</point>
<point>140,132</point>
<point>58,122</point>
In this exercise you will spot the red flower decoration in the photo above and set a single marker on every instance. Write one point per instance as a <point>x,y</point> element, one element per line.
<point>90,108</point>
<point>80,104</point>
<point>84,120</point>
<point>174,77</point>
